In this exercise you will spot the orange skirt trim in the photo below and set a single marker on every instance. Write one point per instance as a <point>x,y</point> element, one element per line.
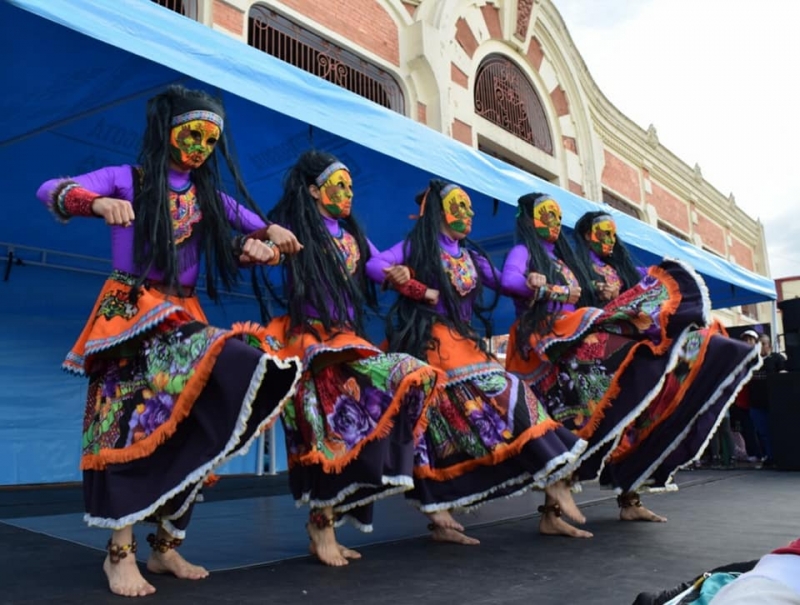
<point>500,454</point>
<point>623,450</point>
<point>516,364</point>
<point>459,357</point>
<point>342,347</point>
<point>182,408</point>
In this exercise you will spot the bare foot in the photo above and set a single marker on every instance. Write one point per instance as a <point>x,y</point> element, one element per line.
<point>125,579</point>
<point>561,494</point>
<point>640,513</point>
<point>325,548</point>
<point>449,534</point>
<point>172,562</point>
<point>552,525</point>
<point>443,519</point>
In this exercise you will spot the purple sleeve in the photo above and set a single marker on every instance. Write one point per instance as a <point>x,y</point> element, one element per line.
<point>384,260</point>
<point>111,181</point>
<point>243,220</point>
<point>515,273</point>
<point>642,271</point>
<point>489,274</point>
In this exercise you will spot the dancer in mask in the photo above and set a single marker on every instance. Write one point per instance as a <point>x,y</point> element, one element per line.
<point>352,426</point>
<point>597,369</point>
<point>170,397</point>
<point>488,436</point>
<point>675,428</point>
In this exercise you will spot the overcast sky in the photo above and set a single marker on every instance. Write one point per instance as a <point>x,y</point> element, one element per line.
<point>719,79</point>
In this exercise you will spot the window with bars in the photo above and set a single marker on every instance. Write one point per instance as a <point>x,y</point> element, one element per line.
<point>619,204</point>
<point>187,8</point>
<point>276,35</point>
<point>667,228</point>
<point>505,97</point>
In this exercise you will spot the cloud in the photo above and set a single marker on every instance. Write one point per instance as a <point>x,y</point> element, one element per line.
<point>716,79</point>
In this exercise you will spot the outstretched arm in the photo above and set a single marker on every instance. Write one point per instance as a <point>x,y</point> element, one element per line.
<point>107,193</point>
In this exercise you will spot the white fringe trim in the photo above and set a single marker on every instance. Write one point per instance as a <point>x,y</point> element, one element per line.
<point>554,471</point>
<point>701,285</point>
<point>367,529</point>
<point>198,475</point>
<point>616,436</point>
<point>743,380</point>
<point>393,485</point>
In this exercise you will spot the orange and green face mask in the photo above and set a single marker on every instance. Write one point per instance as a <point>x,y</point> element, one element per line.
<point>193,139</point>
<point>336,190</point>
<point>457,209</point>
<point>603,236</point>
<point>547,219</point>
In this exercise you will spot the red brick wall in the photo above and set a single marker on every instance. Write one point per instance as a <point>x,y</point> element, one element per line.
<point>535,53</point>
<point>712,234</point>
<point>560,101</point>
<point>621,177</point>
<point>670,208</point>
<point>570,143</point>
<point>229,17</point>
<point>422,113</point>
<point>465,37</point>
<point>491,14</point>
<point>743,254</point>
<point>458,76</point>
<point>576,188</point>
<point>462,131</point>
<point>365,22</point>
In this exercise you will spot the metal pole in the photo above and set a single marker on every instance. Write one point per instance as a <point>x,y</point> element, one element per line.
<point>260,455</point>
<point>273,452</point>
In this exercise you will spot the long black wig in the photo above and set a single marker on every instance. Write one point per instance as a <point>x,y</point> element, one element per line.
<point>317,275</point>
<point>410,323</point>
<point>538,318</point>
<point>620,259</point>
<point>154,242</point>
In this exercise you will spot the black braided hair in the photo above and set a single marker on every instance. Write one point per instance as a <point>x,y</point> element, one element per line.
<point>410,323</point>
<point>317,276</point>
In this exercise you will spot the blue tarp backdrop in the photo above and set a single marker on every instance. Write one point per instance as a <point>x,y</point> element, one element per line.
<point>75,80</point>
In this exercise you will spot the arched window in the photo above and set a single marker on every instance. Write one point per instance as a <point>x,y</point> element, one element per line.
<point>504,96</point>
<point>187,8</point>
<point>290,42</point>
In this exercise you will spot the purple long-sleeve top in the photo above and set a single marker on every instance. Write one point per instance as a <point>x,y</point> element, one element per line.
<point>458,263</point>
<point>513,279</point>
<point>117,182</point>
<point>349,250</point>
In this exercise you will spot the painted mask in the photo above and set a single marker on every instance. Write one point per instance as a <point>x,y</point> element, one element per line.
<point>336,193</point>
<point>603,235</point>
<point>192,142</point>
<point>458,211</point>
<point>547,219</point>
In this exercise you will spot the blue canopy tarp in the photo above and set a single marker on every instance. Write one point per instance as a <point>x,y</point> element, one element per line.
<point>75,80</point>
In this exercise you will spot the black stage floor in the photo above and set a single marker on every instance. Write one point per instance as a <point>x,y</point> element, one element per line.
<point>253,539</point>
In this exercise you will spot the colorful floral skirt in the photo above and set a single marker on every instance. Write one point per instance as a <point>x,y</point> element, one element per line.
<point>598,370</point>
<point>352,426</point>
<point>170,398</point>
<point>488,435</point>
